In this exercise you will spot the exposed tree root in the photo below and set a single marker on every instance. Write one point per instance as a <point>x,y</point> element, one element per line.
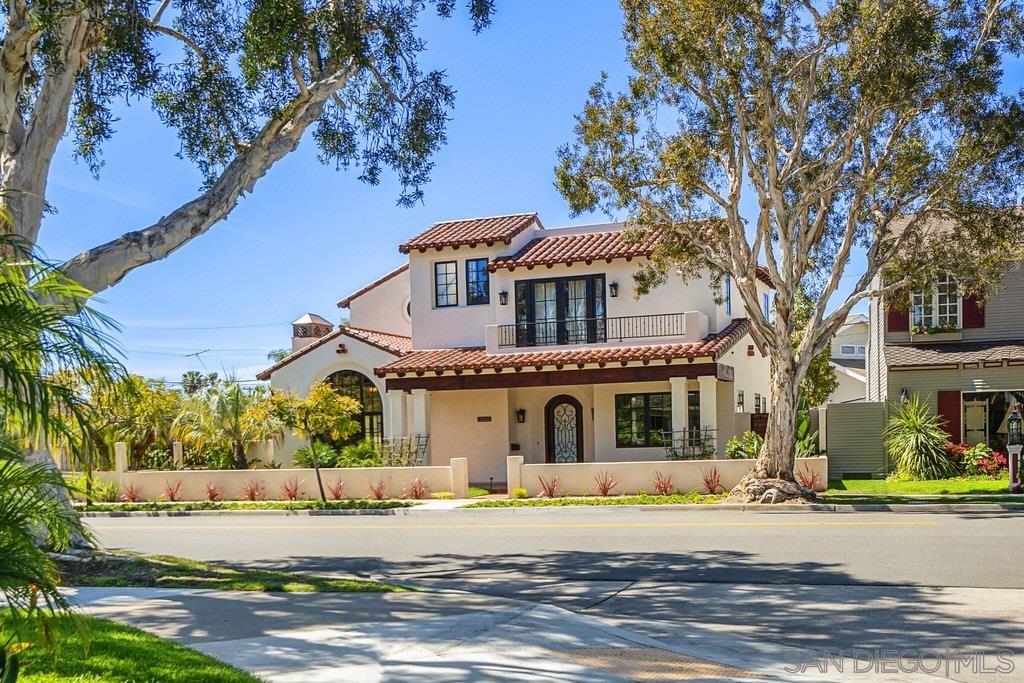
<point>754,490</point>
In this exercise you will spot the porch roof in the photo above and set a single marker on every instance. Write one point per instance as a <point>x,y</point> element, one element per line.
<point>477,359</point>
<point>964,353</point>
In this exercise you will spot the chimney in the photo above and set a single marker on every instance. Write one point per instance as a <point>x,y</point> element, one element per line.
<point>308,329</point>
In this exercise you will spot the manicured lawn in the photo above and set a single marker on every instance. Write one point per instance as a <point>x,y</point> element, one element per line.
<point>130,569</point>
<point>187,506</point>
<point>106,652</point>
<point>963,485</point>
<point>640,499</point>
<point>921,498</point>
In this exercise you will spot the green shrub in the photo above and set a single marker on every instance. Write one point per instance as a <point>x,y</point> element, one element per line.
<point>325,455</point>
<point>519,493</point>
<point>442,495</point>
<point>363,454</point>
<point>747,446</point>
<point>916,442</point>
<point>105,492</point>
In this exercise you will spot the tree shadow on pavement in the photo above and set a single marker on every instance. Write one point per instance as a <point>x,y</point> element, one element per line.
<point>802,604</point>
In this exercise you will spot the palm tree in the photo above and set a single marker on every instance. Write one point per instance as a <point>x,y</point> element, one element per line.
<point>277,355</point>
<point>47,334</point>
<point>193,381</point>
<point>230,417</point>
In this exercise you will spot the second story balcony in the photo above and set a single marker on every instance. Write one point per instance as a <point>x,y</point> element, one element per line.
<point>657,328</point>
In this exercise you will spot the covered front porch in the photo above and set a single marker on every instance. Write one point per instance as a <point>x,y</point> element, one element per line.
<point>671,418</point>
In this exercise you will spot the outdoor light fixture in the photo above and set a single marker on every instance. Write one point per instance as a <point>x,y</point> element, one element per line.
<point>903,395</point>
<point>521,415</point>
<point>613,289</point>
<point>1014,445</point>
<point>503,298</point>
<point>1013,431</point>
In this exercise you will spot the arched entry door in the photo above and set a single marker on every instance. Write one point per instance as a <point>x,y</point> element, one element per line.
<point>563,420</point>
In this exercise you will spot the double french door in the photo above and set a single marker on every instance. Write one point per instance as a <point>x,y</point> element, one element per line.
<point>560,311</point>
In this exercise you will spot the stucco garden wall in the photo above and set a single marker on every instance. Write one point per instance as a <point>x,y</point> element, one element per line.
<point>473,425</point>
<point>152,484</point>
<point>577,479</point>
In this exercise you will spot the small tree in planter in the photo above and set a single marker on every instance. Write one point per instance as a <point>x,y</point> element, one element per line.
<point>323,415</point>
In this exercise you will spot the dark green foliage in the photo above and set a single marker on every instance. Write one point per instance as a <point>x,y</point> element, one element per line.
<point>747,446</point>
<point>916,442</point>
<point>217,72</point>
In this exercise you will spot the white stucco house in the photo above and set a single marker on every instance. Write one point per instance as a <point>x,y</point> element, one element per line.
<point>849,360</point>
<point>499,336</point>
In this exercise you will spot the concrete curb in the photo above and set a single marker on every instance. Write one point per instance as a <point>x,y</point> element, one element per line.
<point>709,508</point>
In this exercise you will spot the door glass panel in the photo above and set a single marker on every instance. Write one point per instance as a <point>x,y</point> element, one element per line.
<point>576,311</point>
<point>545,312</point>
<point>564,437</point>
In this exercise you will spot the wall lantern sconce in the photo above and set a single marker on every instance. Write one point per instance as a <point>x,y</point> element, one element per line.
<point>521,415</point>
<point>904,397</point>
<point>503,298</point>
<point>1014,437</point>
<point>613,289</point>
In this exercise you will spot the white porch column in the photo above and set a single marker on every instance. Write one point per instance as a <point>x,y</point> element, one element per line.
<point>396,414</point>
<point>708,402</point>
<point>420,418</point>
<point>680,406</point>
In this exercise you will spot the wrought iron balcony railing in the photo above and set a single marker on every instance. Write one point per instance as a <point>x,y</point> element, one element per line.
<point>591,330</point>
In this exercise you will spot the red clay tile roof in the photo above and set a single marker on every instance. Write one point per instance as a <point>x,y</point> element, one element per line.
<point>476,358</point>
<point>395,344</point>
<point>585,247</point>
<point>470,231</point>
<point>344,303</point>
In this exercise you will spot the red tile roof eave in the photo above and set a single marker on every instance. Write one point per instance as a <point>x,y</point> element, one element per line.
<point>441,361</point>
<point>344,303</point>
<point>520,222</point>
<point>341,331</point>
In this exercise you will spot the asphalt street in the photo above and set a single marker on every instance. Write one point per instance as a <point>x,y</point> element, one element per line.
<point>824,581</point>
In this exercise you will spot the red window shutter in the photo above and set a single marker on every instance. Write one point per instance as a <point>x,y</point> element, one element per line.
<point>974,312</point>
<point>950,411</point>
<point>897,321</point>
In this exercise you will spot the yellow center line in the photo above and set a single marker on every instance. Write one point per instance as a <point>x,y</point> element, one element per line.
<point>488,527</point>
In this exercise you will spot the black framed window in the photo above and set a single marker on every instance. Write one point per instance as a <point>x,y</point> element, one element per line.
<point>370,417</point>
<point>642,419</point>
<point>446,284</point>
<point>478,282</point>
<point>566,310</point>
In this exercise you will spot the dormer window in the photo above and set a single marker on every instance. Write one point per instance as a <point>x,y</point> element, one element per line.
<point>936,309</point>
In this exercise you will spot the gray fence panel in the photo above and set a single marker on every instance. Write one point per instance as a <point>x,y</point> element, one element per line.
<point>854,437</point>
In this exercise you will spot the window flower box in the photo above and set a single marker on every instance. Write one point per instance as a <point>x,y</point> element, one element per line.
<point>937,336</point>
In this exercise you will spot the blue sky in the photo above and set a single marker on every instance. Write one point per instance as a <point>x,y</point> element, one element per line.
<point>308,235</point>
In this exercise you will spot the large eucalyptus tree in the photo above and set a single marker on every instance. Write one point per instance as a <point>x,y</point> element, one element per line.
<point>799,134</point>
<point>240,83</point>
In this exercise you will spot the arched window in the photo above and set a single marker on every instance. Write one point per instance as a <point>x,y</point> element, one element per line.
<point>371,417</point>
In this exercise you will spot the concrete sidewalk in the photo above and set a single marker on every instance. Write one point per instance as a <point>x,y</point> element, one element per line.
<point>443,635</point>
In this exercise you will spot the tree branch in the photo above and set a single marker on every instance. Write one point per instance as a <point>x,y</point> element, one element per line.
<point>104,266</point>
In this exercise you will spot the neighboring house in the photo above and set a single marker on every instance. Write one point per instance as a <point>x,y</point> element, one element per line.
<point>501,337</point>
<point>849,359</point>
<point>963,356</point>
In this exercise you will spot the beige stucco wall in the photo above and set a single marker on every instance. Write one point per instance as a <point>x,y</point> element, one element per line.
<point>531,435</point>
<point>384,307</point>
<point>303,372</point>
<point>634,477</point>
<point>357,481</point>
<point>457,432</point>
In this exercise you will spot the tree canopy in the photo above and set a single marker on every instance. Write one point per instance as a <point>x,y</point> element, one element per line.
<point>239,83</point>
<point>798,133</point>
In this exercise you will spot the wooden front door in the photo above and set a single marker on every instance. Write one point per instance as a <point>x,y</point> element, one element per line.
<point>563,421</point>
